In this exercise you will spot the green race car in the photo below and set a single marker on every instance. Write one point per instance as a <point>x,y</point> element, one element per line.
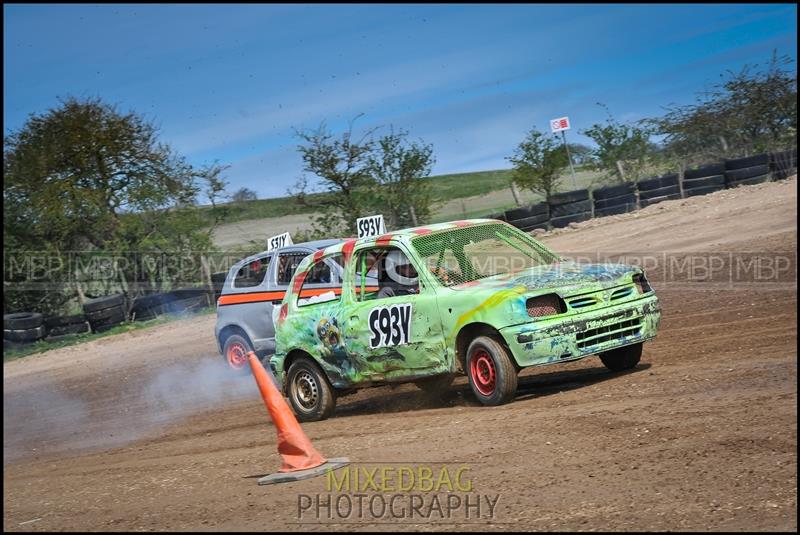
<point>477,296</point>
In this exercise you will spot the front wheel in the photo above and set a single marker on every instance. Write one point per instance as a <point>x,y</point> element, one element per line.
<point>622,358</point>
<point>310,393</point>
<point>491,372</point>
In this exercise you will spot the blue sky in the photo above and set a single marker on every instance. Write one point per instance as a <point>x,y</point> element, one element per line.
<point>231,82</point>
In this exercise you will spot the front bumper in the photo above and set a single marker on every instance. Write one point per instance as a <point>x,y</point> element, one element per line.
<point>561,339</point>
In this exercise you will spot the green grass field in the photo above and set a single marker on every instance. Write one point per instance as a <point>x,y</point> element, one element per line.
<point>444,188</point>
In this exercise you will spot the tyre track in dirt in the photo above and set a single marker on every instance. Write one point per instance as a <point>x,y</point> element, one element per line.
<point>701,435</point>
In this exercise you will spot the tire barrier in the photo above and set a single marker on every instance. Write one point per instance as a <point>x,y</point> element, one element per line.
<point>705,171</point>
<point>750,161</point>
<point>24,336</point>
<point>746,172</point>
<point>748,181</point>
<point>783,164</point>
<point>579,207</point>
<point>570,207</point>
<point>661,182</point>
<point>561,222</point>
<point>185,300</point>
<point>22,321</point>
<point>106,312</point>
<point>22,328</point>
<point>655,200</point>
<point>660,192</point>
<point>603,204</point>
<point>611,192</point>
<point>147,307</point>
<point>218,279</point>
<point>558,199</point>
<point>62,326</point>
<point>528,218</point>
<point>613,200</point>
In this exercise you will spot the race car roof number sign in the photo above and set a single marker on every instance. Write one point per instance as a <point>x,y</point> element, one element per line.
<point>281,240</point>
<point>557,125</point>
<point>370,226</point>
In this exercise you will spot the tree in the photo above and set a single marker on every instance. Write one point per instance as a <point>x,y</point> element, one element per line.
<point>622,149</point>
<point>364,176</point>
<point>342,164</point>
<point>84,178</point>
<point>538,162</point>
<point>399,168</point>
<point>244,194</point>
<point>752,111</point>
<point>581,154</point>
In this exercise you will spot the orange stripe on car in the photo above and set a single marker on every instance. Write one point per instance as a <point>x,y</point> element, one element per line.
<point>258,297</point>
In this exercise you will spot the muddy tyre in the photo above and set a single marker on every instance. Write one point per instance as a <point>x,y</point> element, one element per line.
<point>622,358</point>
<point>310,393</point>
<point>491,372</point>
<point>235,353</point>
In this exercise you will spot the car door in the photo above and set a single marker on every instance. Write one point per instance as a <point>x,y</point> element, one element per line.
<point>400,335</point>
<point>248,301</point>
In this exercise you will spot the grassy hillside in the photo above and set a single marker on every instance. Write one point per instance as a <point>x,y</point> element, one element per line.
<point>443,187</point>
<point>459,196</point>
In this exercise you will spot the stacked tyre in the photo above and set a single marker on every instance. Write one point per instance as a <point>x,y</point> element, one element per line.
<point>655,190</point>
<point>218,280</point>
<point>783,164</point>
<point>614,199</point>
<point>62,327</point>
<point>22,328</point>
<point>746,171</point>
<point>570,207</point>
<point>104,313</point>
<point>185,300</point>
<point>528,218</point>
<point>147,307</point>
<point>499,216</point>
<point>704,180</point>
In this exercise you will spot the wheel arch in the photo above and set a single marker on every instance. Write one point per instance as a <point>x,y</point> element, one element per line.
<point>229,330</point>
<point>471,331</point>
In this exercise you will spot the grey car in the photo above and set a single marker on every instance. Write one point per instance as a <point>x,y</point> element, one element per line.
<point>254,287</point>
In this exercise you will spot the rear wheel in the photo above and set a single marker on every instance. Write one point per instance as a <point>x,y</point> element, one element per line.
<point>310,393</point>
<point>491,372</point>
<point>622,358</point>
<point>235,352</point>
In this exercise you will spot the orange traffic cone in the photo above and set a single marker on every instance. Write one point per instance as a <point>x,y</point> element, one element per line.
<point>300,459</point>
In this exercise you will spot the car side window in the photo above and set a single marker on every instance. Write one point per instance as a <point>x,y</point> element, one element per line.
<point>252,273</point>
<point>321,273</point>
<point>384,272</point>
<point>287,265</point>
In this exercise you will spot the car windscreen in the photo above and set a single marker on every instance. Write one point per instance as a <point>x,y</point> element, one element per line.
<point>475,252</point>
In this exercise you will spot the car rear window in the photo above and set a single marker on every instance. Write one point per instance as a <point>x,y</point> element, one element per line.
<point>252,273</point>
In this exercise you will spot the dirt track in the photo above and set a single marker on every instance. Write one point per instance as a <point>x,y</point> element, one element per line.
<point>702,435</point>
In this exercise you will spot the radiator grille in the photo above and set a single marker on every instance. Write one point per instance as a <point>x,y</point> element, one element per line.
<point>607,333</point>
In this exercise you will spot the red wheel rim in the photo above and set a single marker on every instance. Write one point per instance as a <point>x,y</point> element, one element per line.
<point>237,356</point>
<point>482,372</point>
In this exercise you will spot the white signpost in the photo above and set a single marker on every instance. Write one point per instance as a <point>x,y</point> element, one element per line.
<point>370,226</point>
<point>281,240</point>
<point>561,125</point>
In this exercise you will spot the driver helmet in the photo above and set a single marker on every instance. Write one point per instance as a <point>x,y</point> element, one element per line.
<point>400,270</point>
